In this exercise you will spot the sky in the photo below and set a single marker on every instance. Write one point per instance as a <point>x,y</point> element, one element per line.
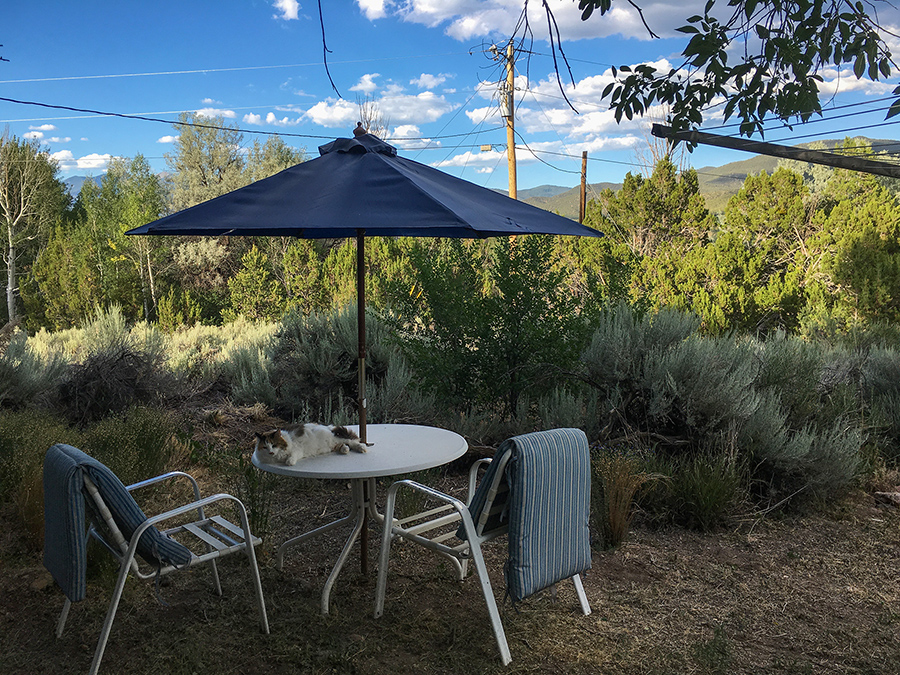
<point>425,66</point>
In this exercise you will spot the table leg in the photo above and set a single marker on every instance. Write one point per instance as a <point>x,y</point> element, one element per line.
<point>359,506</point>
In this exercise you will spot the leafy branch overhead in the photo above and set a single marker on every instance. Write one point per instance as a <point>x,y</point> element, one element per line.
<point>761,58</point>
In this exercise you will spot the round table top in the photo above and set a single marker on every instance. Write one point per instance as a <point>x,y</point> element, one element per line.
<point>398,448</point>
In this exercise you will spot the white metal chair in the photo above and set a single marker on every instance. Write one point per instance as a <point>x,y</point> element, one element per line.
<point>78,489</point>
<point>536,490</point>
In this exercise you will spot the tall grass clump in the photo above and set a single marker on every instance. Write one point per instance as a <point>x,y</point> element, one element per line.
<point>618,475</point>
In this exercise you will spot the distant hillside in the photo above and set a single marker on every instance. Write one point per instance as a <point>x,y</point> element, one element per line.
<point>565,200</point>
<point>74,183</point>
<point>717,183</point>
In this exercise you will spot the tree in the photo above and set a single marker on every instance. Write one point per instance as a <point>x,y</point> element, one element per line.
<point>764,58</point>
<point>207,161</point>
<point>255,294</point>
<point>32,198</point>
<point>266,159</point>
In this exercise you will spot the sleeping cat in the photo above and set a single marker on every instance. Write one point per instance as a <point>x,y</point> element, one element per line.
<point>307,440</point>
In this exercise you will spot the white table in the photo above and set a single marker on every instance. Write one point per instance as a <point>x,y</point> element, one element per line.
<point>397,449</point>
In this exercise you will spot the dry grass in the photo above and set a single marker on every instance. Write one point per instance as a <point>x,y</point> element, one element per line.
<point>815,594</point>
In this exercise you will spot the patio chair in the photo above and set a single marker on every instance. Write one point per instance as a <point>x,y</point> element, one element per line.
<point>83,498</point>
<point>536,490</point>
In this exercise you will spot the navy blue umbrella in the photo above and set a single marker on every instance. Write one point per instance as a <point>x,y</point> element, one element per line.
<point>360,187</point>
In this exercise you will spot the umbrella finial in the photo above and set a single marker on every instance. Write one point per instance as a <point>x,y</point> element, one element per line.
<point>359,130</point>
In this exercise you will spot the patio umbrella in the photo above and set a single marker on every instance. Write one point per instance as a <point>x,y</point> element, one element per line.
<point>356,188</point>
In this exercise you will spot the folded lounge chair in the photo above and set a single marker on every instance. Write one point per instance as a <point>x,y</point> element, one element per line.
<point>79,490</point>
<point>536,490</point>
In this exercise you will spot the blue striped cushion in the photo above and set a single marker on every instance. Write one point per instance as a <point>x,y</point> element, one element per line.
<point>154,547</point>
<point>481,494</point>
<point>65,542</point>
<point>550,485</point>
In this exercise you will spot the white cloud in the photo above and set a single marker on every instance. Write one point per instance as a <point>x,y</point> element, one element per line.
<point>844,81</point>
<point>374,9</point>
<point>366,83</point>
<point>283,122</point>
<point>58,139</point>
<point>211,101</point>
<point>419,109</point>
<point>167,139</point>
<point>409,135</point>
<point>216,112</point>
<point>476,159</point>
<point>94,161</point>
<point>253,118</point>
<point>33,135</point>
<point>288,9</point>
<point>65,158</point>
<point>426,81</point>
<point>44,127</point>
<point>465,20</point>
<point>334,113</point>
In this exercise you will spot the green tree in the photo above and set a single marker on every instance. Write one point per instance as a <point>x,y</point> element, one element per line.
<point>129,195</point>
<point>254,292</point>
<point>266,159</point>
<point>854,257</point>
<point>67,279</point>
<point>32,199</point>
<point>207,160</point>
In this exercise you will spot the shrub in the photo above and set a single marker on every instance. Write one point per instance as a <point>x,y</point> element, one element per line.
<point>24,374</point>
<point>111,380</point>
<point>705,491</point>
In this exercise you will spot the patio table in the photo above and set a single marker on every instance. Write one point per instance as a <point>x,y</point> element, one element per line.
<point>396,449</point>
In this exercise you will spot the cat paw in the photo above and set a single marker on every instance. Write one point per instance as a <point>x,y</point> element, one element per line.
<point>290,461</point>
<point>344,449</point>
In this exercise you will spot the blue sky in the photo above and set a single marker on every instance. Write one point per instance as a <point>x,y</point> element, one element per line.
<point>424,63</point>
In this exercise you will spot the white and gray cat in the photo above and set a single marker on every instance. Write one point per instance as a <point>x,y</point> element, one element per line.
<point>296,442</point>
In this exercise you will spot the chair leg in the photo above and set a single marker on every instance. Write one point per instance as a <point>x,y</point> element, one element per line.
<point>61,624</point>
<point>384,553</point>
<point>257,584</point>
<point>488,592</point>
<point>215,575</point>
<point>110,614</point>
<point>582,598</point>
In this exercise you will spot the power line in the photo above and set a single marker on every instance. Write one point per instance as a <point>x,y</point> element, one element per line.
<point>198,71</point>
<point>146,118</point>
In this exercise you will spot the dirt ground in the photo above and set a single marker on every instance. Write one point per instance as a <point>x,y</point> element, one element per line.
<point>815,594</point>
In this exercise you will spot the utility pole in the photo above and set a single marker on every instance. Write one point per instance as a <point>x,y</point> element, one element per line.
<point>508,110</point>
<point>582,202</point>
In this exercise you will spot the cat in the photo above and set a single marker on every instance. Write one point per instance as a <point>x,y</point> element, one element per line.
<point>308,440</point>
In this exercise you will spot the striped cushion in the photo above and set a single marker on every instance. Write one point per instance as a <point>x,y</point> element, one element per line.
<point>154,547</point>
<point>476,506</point>
<point>64,525</point>
<point>550,484</point>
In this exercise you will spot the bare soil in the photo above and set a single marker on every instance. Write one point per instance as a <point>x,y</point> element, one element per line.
<point>814,594</point>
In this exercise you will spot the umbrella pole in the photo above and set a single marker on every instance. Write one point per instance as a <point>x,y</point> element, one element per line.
<point>361,327</point>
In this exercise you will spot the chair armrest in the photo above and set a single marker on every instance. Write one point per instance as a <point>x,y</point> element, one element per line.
<point>473,476</point>
<point>431,492</point>
<point>196,505</point>
<point>166,476</point>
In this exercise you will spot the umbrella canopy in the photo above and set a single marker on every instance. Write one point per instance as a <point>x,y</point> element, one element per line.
<point>359,187</point>
<point>361,184</point>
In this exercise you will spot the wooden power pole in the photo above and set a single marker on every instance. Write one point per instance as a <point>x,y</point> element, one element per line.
<point>583,201</point>
<point>510,115</point>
